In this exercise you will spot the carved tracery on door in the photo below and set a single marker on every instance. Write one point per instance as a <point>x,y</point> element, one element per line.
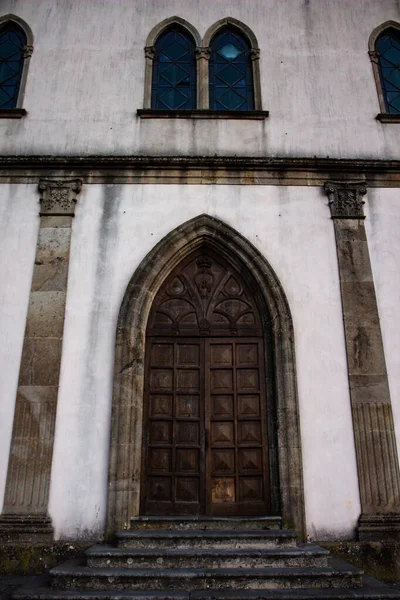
<point>205,430</point>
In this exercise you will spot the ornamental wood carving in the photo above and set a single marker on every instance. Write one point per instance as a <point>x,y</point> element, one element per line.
<point>204,297</point>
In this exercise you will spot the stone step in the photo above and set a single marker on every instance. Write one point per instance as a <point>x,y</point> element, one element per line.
<point>210,523</point>
<point>307,555</point>
<point>382,592</point>
<point>73,575</point>
<point>229,539</point>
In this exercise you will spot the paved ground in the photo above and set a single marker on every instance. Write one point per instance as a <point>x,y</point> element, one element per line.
<point>11,583</point>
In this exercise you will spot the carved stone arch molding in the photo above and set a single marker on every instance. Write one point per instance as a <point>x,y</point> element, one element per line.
<point>149,50</point>
<point>28,50</point>
<point>126,423</point>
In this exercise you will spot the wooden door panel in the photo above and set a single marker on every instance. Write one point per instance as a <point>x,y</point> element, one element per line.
<point>173,444</point>
<point>237,463</point>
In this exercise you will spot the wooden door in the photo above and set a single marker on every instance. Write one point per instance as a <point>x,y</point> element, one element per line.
<point>205,407</point>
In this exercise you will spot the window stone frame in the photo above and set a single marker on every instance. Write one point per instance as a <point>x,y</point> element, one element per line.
<point>17,112</point>
<point>150,52</point>
<point>203,54</point>
<point>384,116</point>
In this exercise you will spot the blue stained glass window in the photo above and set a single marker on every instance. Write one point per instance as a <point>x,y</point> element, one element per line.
<point>231,74</point>
<point>388,47</point>
<point>12,42</point>
<point>174,71</point>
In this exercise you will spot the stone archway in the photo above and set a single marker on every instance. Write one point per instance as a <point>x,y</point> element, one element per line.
<point>127,408</point>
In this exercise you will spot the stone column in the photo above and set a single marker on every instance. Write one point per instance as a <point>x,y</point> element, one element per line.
<point>27,488</point>
<point>203,95</point>
<point>375,442</point>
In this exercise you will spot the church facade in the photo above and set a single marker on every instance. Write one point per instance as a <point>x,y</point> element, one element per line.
<point>199,265</point>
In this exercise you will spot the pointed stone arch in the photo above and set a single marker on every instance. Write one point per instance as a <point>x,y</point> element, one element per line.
<point>126,425</point>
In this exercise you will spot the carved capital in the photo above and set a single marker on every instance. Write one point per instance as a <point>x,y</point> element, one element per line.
<point>255,53</point>
<point>150,52</point>
<point>374,56</point>
<point>27,50</point>
<point>203,52</point>
<point>59,197</point>
<point>345,199</point>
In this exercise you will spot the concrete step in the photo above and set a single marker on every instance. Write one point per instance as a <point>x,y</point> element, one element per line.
<point>382,592</point>
<point>210,523</point>
<point>307,555</point>
<point>73,575</point>
<point>197,539</point>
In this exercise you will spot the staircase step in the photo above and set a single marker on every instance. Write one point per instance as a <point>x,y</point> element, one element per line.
<point>73,575</point>
<point>110,557</point>
<point>210,523</point>
<point>382,592</point>
<point>179,540</point>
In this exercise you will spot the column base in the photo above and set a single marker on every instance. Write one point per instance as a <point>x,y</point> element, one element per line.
<point>25,528</point>
<point>379,528</point>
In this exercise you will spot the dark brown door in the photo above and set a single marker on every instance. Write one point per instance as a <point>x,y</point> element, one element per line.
<point>205,407</point>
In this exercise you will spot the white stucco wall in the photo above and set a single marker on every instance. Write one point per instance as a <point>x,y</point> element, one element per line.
<point>114,228</point>
<point>86,80</point>
<point>383,226</point>
<point>19,221</point>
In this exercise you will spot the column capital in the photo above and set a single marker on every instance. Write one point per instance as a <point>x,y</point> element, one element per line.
<point>345,199</point>
<point>58,197</point>
<point>203,52</point>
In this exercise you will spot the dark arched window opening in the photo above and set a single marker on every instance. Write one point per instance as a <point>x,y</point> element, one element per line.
<point>231,74</point>
<point>388,48</point>
<point>12,54</point>
<point>174,71</point>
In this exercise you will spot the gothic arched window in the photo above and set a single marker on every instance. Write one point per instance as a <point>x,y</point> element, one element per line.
<point>231,72</point>
<point>174,71</point>
<point>388,48</point>
<point>13,44</point>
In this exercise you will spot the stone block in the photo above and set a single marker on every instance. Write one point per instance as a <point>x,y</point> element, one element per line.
<point>364,350</point>
<point>367,389</point>
<point>40,363</point>
<point>37,393</point>
<point>359,303</point>
<point>53,245</point>
<point>45,314</point>
<point>55,221</point>
<point>50,278</point>
<point>354,263</point>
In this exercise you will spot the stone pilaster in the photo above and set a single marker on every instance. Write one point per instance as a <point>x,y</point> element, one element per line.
<point>27,488</point>
<point>375,442</point>
<point>203,59</point>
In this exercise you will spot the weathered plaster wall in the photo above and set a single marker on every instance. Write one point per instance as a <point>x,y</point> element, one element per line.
<point>114,228</point>
<point>19,222</point>
<point>383,225</point>
<point>86,80</point>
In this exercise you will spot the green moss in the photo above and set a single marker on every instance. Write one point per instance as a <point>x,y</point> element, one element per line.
<point>34,560</point>
<point>378,559</point>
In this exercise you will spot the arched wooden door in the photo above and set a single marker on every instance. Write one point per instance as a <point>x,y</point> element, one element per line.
<point>205,449</point>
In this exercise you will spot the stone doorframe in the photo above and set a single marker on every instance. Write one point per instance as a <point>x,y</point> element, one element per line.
<point>127,407</point>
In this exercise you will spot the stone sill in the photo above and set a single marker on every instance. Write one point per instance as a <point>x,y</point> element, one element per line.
<point>12,113</point>
<point>154,113</point>
<point>388,118</point>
